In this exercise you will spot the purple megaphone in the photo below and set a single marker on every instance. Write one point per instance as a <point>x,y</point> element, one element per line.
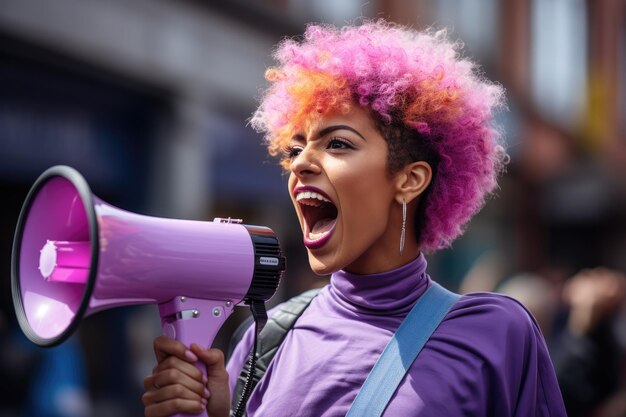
<point>74,255</point>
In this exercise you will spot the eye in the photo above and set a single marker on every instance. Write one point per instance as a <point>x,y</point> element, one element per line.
<point>339,143</point>
<point>292,151</point>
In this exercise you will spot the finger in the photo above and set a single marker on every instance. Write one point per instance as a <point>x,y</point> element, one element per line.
<point>164,347</point>
<point>148,383</point>
<point>174,376</point>
<point>171,392</point>
<point>169,407</point>
<point>173,362</point>
<point>212,358</point>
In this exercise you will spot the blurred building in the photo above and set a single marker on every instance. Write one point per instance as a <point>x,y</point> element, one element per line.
<point>149,99</point>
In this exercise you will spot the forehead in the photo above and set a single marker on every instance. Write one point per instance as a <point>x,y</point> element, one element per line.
<point>355,116</point>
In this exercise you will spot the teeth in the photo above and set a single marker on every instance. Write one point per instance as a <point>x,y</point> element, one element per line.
<point>315,236</point>
<point>308,195</point>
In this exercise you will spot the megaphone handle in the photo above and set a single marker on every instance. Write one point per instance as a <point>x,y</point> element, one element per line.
<point>194,320</point>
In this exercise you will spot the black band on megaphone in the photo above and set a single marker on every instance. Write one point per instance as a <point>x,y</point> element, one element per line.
<point>269,263</point>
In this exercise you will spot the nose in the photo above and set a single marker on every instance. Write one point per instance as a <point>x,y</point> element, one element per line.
<point>306,163</point>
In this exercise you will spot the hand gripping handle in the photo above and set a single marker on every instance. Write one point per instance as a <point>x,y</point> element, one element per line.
<point>194,320</point>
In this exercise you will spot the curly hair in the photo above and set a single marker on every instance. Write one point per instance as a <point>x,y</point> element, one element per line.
<point>425,97</point>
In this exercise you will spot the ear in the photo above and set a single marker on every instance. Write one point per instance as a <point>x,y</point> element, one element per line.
<point>412,180</point>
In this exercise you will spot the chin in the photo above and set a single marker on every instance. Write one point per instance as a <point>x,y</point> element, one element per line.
<point>319,267</point>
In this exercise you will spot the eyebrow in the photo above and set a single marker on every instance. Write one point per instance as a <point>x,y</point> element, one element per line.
<point>332,128</point>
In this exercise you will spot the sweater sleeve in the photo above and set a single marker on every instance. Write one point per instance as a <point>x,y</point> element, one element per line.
<point>487,358</point>
<point>523,368</point>
<point>539,393</point>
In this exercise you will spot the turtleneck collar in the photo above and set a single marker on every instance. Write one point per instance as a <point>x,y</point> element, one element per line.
<point>388,293</point>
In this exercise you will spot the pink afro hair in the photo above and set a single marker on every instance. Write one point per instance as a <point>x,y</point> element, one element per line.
<point>417,79</point>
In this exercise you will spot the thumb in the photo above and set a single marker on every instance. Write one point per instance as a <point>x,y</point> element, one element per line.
<point>212,358</point>
<point>219,389</point>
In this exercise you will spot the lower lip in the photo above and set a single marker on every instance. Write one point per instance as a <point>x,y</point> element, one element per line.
<point>318,243</point>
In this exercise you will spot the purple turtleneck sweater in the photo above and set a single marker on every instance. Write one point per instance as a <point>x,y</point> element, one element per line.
<point>487,358</point>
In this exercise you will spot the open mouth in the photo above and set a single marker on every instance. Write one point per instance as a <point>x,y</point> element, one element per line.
<point>320,216</point>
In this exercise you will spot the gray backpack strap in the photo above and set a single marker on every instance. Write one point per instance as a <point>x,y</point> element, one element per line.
<point>270,339</point>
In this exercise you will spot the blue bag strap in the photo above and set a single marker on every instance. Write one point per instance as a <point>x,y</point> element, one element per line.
<point>401,351</point>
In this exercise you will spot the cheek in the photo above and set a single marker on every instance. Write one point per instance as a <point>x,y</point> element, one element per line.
<point>291,183</point>
<point>292,180</point>
<point>368,215</point>
<point>366,200</point>
<point>366,187</point>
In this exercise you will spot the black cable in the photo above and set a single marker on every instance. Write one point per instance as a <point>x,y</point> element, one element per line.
<point>260,318</point>
<point>248,385</point>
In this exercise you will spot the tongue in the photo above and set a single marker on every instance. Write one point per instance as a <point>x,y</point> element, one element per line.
<point>322,226</point>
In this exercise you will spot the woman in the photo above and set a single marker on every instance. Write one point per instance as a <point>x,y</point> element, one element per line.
<point>388,137</point>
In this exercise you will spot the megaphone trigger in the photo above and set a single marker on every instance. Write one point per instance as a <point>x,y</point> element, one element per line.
<point>194,320</point>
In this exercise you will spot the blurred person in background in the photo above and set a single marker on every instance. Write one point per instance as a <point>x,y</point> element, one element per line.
<point>537,294</point>
<point>587,354</point>
<point>572,219</point>
<point>388,136</point>
<point>581,320</point>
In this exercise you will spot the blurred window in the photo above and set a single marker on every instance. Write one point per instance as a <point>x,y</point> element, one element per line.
<point>54,110</point>
<point>621,50</point>
<point>559,58</point>
<point>241,168</point>
<point>336,12</point>
<point>473,21</point>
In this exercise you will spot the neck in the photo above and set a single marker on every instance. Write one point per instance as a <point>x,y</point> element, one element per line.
<point>387,293</point>
<point>383,261</point>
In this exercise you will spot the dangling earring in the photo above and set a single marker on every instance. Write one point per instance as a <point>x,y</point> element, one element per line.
<point>403,232</point>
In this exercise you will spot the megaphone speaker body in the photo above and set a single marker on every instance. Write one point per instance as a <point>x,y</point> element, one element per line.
<point>75,255</point>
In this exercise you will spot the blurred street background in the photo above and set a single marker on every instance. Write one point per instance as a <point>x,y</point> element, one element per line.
<point>149,100</point>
